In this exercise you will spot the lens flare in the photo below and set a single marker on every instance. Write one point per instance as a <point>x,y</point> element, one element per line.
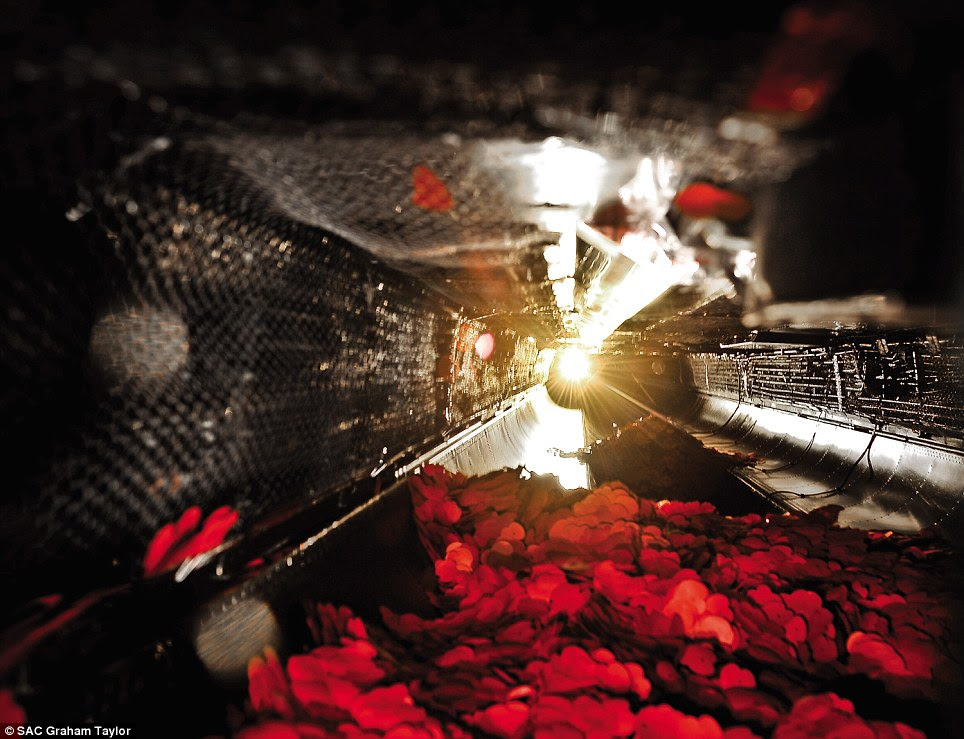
<point>485,346</point>
<point>574,365</point>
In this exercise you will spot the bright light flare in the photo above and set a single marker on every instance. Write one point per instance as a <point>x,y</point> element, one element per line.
<point>574,364</point>
<point>485,346</point>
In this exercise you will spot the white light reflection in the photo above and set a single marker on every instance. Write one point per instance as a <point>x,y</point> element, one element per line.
<point>559,429</point>
<point>744,265</point>
<point>561,257</point>
<point>560,173</point>
<point>640,271</point>
<point>574,364</point>
<point>753,132</point>
<point>651,190</point>
<point>564,292</point>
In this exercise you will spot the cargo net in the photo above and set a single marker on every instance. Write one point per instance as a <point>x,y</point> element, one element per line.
<point>201,334</point>
<point>487,365</point>
<point>681,320</point>
<point>661,94</point>
<point>257,292</point>
<point>914,383</point>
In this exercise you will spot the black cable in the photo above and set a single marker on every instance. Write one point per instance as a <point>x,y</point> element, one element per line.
<point>789,494</point>
<point>788,465</point>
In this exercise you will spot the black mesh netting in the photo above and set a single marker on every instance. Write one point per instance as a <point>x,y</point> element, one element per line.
<point>910,382</point>
<point>200,334</point>
<point>254,272</point>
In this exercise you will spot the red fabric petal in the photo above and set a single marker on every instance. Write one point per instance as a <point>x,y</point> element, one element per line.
<point>883,730</point>
<point>549,584</point>
<point>383,708</point>
<point>574,670</point>
<point>703,200</point>
<point>158,548</point>
<point>174,543</point>
<point>872,654</point>
<point>670,678</point>
<point>10,711</point>
<point>522,691</point>
<point>270,730</point>
<point>709,625</point>
<point>734,676</point>
<point>503,719</point>
<point>317,689</point>
<point>825,715</point>
<point>429,192</point>
<point>700,659</point>
<point>425,731</point>
<point>600,719</point>
<point>739,732</point>
<point>268,687</point>
<point>665,721</point>
<point>687,601</point>
<point>752,705</point>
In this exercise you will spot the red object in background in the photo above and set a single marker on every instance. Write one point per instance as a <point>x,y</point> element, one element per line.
<point>612,220</point>
<point>429,192</point>
<point>47,615</point>
<point>176,542</point>
<point>10,711</point>
<point>485,346</point>
<point>703,200</point>
<point>807,59</point>
<point>830,715</point>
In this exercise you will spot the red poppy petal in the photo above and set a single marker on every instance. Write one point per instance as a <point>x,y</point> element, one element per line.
<point>687,600</point>
<point>752,705</point>
<point>700,659</point>
<point>268,687</point>
<point>158,548</point>
<point>10,711</point>
<point>666,721</point>
<point>383,708</point>
<point>270,730</point>
<point>429,192</point>
<point>739,732</point>
<point>214,531</point>
<point>734,676</point>
<point>872,653</point>
<point>188,521</point>
<point>504,719</point>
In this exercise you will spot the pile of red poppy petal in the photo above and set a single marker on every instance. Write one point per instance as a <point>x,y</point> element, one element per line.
<point>603,614</point>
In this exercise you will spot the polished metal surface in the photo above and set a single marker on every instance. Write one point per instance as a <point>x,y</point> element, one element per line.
<point>882,480</point>
<point>535,433</point>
